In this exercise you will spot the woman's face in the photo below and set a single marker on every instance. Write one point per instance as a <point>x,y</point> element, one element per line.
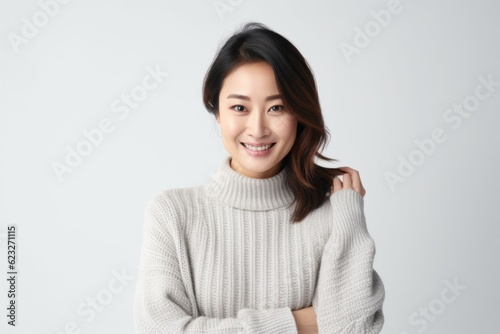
<point>251,111</point>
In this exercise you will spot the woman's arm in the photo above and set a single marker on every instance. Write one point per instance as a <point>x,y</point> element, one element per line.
<point>306,320</point>
<point>349,293</point>
<point>161,303</point>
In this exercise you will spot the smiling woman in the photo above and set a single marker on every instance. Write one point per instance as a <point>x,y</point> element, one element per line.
<point>273,242</point>
<point>257,130</point>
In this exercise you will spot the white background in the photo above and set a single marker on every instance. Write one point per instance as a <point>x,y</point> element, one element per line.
<point>438,223</point>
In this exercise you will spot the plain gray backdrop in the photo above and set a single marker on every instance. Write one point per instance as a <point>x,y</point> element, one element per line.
<point>410,92</point>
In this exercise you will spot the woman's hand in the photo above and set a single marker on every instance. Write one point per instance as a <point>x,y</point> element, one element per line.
<point>306,320</point>
<point>351,181</point>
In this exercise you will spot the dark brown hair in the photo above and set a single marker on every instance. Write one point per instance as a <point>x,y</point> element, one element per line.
<point>255,42</point>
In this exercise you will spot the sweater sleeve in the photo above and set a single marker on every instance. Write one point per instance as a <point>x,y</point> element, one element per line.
<point>349,292</point>
<point>162,303</point>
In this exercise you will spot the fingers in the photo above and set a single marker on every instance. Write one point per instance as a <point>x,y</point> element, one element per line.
<point>337,184</point>
<point>351,180</point>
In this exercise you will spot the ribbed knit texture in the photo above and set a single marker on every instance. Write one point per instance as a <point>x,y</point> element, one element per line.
<point>224,257</point>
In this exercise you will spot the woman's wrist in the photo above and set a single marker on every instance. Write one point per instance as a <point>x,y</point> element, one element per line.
<point>305,319</point>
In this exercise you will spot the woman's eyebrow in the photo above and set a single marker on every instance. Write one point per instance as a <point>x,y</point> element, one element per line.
<point>243,97</point>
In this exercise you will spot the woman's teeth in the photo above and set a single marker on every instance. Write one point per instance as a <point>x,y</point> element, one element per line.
<point>258,148</point>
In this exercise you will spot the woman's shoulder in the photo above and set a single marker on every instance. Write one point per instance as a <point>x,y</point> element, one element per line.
<point>172,195</point>
<point>168,209</point>
<point>175,201</point>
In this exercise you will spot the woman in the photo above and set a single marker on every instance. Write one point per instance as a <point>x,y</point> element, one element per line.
<point>272,243</point>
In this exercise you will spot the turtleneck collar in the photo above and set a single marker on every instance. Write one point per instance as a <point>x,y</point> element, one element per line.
<point>239,191</point>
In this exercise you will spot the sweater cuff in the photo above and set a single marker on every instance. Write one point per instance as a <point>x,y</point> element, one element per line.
<point>349,223</point>
<point>277,320</point>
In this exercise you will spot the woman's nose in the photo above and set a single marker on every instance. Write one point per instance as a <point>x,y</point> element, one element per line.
<point>257,124</point>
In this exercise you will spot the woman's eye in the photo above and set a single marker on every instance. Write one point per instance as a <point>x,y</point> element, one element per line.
<point>282,107</point>
<point>238,108</point>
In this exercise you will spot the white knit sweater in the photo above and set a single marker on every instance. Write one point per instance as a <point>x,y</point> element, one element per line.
<point>224,257</point>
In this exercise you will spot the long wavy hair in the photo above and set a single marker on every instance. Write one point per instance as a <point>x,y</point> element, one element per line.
<point>255,42</point>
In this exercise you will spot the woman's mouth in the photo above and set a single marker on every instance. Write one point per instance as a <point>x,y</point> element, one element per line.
<point>258,148</point>
<point>258,151</point>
